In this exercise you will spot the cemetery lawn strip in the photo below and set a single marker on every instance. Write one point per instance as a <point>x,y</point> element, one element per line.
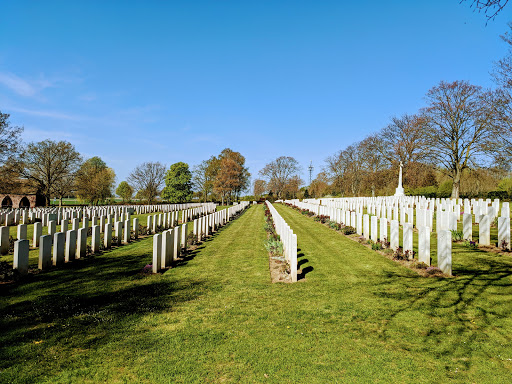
<point>356,317</point>
<point>457,328</point>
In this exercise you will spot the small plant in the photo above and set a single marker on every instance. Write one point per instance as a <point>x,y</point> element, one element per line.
<point>274,247</point>
<point>323,219</point>
<point>470,244</point>
<point>457,235</point>
<point>385,243</point>
<point>7,273</point>
<point>408,255</point>
<point>12,240</point>
<point>377,246</point>
<point>398,254</point>
<point>191,240</point>
<point>348,230</point>
<point>334,225</point>
<point>419,265</point>
<point>269,228</point>
<point>504,245</point>
<point>148,269</point>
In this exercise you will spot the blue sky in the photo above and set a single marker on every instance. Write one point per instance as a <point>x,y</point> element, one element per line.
<point>135,81</point>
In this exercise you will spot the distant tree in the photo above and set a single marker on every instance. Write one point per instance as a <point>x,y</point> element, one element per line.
<point>279,173</point>
<point>94,181</point>
<point>125,191</point>
<point>292,188</point>
<point>319,186</point>
<point>178,184</point>
<point>501,105</point>
<point>204,174</point>
<point>459,126</point>
<point>10,145</point>
<point>402,140</point>
<point>147,179</point>
<point>46,162</point>
<point>260,187</point>
<point>10,138</point>
<point>63,187</point>
<point>227,180</point>
<point>373,161</point>
<point>346,170</point>
<point>232,176</point>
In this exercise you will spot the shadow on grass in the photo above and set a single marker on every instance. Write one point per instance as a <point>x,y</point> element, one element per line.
<point>452,313</point>
<point>301,260</point>
<point>87,301</point>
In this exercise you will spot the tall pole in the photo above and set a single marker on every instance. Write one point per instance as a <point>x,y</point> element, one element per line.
<point>310,171</point>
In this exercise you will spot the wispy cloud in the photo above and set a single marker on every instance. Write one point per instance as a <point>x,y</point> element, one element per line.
<point>31,87</point>
<point>42,113</point>
<point>17,84</point>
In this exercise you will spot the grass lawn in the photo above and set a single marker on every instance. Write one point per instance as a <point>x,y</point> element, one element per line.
<point>356,317</point>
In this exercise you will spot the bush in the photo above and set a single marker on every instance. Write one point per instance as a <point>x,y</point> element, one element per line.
<point>502,195</point>
<point>428,192</point>
<point>445,189</point>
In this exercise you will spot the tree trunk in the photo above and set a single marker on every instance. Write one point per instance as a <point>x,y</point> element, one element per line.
<point>456,185</point>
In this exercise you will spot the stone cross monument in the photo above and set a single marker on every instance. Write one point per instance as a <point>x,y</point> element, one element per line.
<point>400,190</point>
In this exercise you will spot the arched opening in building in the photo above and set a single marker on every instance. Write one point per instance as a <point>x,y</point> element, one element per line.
<point>24,203</point>
<point>7,202</point>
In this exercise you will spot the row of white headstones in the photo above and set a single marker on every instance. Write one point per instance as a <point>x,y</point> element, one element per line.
<point>171,243</point>
<point>373,225</point>
<point>30,215</point>
<point>69,245</point>
<point>288,238</point>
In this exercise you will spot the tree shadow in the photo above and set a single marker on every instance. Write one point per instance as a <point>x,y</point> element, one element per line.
<point>468,304</point>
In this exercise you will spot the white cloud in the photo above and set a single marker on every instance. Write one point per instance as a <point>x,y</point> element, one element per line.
<point>40,113</point>
<point>17,84</point>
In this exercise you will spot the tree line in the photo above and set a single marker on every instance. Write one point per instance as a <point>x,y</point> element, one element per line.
<point>55,169</point>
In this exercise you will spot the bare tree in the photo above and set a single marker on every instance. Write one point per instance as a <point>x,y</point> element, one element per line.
<point>491,8</point>
<point>10,138</point>
<point>403,140</point>
<point>148,178</point>
<point>460,125</point>
<point>373,161</point>
<point>279,173</point>
<point>47,162</point>
<point>501,105</point>
<point>346,170</point>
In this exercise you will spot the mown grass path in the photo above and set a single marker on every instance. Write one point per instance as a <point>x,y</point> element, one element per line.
<point>357,317</point>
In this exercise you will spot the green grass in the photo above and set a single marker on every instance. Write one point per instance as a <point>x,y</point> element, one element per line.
<point>356,317</point>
